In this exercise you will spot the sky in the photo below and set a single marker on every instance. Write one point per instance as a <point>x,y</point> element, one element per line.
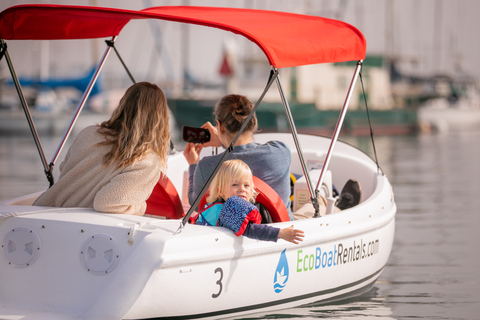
<point>426,37</point>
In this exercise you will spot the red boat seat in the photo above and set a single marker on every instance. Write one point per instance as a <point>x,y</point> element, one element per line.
<point>268,197</point>
<point>164,200</point>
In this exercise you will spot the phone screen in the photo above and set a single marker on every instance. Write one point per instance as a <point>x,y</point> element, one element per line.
<point>195,135</point>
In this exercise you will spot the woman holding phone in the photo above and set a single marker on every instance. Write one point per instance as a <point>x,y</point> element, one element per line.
<point>270,161</point>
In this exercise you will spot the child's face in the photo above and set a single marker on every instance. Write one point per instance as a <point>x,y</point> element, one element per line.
<point>240,187</point>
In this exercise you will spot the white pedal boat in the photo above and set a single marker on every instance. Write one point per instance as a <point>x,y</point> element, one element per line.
<point>75,263</point>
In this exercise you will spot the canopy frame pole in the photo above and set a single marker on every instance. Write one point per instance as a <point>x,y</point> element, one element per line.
<point>273,76</point>
<point>291,123</point>
<point>111,43</point>
<point>23,101</point>
<point>83,100</point>
<point>338,127</point>
<point>369,123</point>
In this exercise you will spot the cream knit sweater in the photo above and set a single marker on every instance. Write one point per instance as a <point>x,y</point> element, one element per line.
<point>85,182</point>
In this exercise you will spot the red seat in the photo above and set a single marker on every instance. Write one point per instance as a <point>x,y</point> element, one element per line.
<point>268,197</point>
<point>164,200</point>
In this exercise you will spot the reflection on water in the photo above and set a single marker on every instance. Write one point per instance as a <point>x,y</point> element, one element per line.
<point>434,268</point>
<point>21,170</point>
<point>369,305</point>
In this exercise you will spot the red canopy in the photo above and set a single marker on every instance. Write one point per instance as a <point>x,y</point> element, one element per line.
<point>286,39</point>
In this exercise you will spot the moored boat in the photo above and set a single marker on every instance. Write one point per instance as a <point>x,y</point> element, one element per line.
<point>456,106</point>
<point>442,115</point>
<point>71,263</point>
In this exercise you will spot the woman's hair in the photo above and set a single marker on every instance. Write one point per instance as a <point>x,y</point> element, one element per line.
<point>232,110</point>
<point>138,126</point>
<point>228,172</point>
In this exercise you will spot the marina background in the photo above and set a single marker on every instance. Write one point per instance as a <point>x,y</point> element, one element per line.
<point>419,54</point>
<point>427,37</point>
<point>433,271</point>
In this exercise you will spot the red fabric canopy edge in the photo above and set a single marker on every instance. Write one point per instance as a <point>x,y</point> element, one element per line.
<point>286,39</point>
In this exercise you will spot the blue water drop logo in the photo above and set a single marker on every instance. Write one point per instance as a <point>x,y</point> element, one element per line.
<point>281,273</point>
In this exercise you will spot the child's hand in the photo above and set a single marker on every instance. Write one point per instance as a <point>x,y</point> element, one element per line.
<point>291,235</point>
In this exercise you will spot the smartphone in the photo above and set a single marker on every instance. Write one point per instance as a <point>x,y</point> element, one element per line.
<point>195,135</point>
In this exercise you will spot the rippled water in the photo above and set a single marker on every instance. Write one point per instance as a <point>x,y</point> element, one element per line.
<point>434,268</point>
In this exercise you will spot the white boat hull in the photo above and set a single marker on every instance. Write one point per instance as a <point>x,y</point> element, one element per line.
<point>79,264</point>
<point>439,115</point>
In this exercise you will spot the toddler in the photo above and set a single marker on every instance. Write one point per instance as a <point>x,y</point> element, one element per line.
<point>230,204</point>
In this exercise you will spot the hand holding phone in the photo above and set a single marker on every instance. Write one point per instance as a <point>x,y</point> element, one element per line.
<point>195,135</point>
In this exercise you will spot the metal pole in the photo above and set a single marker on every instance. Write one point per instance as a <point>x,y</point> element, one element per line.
<point>288,113</point>
<point>83,101</point>
<point>26,110</point>
<point>339,123</point>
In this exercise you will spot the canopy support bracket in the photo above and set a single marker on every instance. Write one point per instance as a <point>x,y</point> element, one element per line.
<point>111,43</point>
<point>338,127</point>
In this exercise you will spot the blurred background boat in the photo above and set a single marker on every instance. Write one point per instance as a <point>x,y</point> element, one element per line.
<point>457,106</point>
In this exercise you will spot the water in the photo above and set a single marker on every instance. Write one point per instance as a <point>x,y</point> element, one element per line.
<point>434,268</point>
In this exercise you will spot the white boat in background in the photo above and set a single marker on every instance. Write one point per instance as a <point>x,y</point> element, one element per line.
<point>441,115</point>
<point>452,111</point>
<point>76,263</point>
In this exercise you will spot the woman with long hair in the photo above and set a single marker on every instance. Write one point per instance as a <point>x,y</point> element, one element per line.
<point>114,167</point>
<point>270,161</point>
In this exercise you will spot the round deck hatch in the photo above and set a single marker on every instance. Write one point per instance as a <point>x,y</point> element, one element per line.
<point>100,254</point>
<point>21,247</point>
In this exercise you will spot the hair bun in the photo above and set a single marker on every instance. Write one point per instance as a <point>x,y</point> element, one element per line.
<point>240,111</point>
<point>232,110</point>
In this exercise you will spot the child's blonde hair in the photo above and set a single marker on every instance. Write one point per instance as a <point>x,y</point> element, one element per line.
<point>228,172</point>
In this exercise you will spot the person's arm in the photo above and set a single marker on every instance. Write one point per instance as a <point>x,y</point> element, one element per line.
<point>128,191</point>
<point>261,232</point>
<point>65,160</point>
<point>268,233</point>
<point>192,155</point>
<point>192,195</point>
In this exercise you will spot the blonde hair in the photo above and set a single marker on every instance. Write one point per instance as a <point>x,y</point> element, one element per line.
<point>228,172</point>
<point>138,126</point>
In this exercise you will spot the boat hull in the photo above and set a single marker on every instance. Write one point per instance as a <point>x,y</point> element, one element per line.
<point>318,271</point>
<point>71,263</point>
